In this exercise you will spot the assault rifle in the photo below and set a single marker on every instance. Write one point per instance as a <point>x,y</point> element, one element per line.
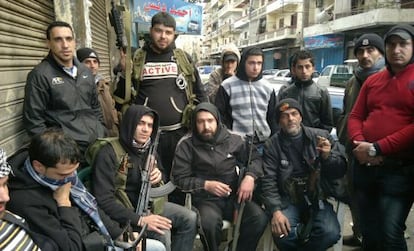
<point>116,22</point>
<point>147,191</point>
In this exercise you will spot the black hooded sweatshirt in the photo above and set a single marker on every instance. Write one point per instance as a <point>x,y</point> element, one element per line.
<point>107,164</point>
<point>197,160</point>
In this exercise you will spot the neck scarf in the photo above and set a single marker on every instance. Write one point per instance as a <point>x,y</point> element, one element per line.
<point>362,74</point>
<point>82,198</point>
<point>141,148</point>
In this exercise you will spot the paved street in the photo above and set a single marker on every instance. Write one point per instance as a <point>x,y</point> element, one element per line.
<point>347,231</point>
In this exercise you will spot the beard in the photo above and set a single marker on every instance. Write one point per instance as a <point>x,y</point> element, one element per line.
<point>207,135</point>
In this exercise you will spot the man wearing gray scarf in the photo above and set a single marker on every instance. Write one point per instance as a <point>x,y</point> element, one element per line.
<point>369,50</point>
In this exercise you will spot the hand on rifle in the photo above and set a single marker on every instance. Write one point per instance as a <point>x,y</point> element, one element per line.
<point>217,188</point>
<point>280,224</point>
<point>156,223</point>
<point>155,173</point>
<point>155,176</point>
<point>246,188</point>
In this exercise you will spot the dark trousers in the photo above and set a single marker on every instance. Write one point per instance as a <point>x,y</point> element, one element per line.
<point>213,212</point>
<point>385,197</point>
<point>166,148</point>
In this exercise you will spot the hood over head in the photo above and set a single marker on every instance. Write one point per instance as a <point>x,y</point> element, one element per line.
<point>129,124</point>
<point>405,31</point>
<point>230,50</point>
<point>241,68</point>
<point>205,106</point>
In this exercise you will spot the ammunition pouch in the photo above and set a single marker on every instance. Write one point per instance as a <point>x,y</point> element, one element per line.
<point>296,189</point>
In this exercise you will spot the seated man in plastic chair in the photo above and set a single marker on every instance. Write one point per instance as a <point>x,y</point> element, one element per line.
<point>119,185</point>
<point>295,161</point>
<point>205,164</point>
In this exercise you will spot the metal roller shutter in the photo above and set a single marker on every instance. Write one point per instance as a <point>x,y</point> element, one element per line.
<point>22,46</point>
<point>98,20</point>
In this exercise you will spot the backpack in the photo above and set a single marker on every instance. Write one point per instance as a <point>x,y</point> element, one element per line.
<point>185,67</point>
<point>158,196</point>
<point>122,168</point>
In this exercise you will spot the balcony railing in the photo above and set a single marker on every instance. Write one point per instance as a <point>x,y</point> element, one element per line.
<point>284,33</point>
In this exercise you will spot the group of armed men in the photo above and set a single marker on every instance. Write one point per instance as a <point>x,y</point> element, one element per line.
<point>237,145</point>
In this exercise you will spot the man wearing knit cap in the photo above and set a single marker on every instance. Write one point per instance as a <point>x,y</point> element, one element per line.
<point>230,57</point>
<point>294,160</point>
<point>90,59</point>
<point>14,232</point>
<point>205,163</point>
<point>381,130</point>
<point>369,50</point>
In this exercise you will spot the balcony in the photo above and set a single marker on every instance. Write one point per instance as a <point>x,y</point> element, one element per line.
<point>279,4</point>
<point>277,35</point>
<point>257,13</point>
<point>241,22</point>
<point>240,3</point>
<point>242,43</point>
<point>372,18</point>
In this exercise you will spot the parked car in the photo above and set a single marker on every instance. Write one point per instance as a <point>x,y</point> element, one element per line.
<point>205,71</point>
<point>284,76</point>
<point>269,73</point>
<point>281,77</point>
<point>335,75</point>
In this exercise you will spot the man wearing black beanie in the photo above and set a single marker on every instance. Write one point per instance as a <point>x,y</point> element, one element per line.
<point>295,159</point>
<point>380,127</point>
<point>369,50</point>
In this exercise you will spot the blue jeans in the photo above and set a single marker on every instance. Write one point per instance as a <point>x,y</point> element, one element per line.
<point>184,228</point>
<point>325,230</point>
<point>385,197</point>
<point>154,245</point>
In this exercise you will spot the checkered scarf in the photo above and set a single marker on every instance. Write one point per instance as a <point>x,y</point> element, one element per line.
<point>82,198</point>
<point>5,168</point>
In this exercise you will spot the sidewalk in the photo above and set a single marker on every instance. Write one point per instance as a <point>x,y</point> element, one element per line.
<point>347,231</point>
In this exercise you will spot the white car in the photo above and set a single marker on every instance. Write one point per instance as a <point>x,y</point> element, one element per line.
<point>281,77</point>
<point>269,73</point>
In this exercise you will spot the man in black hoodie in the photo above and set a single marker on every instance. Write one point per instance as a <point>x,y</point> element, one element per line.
<point>205,164</point>
<point>138,131</point>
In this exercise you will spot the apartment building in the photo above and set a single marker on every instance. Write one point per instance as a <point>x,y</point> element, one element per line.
<point>326,27</point>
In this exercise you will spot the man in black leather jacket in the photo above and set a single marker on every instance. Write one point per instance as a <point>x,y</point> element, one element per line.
<point>313,99</point>
<point>295,160</point>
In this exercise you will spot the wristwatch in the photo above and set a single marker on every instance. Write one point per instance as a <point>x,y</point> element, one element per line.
<point>372,152</point>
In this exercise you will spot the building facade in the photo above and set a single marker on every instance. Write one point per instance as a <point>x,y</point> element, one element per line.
<point>280,27</point>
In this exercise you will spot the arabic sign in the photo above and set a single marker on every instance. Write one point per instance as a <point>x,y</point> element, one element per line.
<point>324,41</point>
<point>187,16</point>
